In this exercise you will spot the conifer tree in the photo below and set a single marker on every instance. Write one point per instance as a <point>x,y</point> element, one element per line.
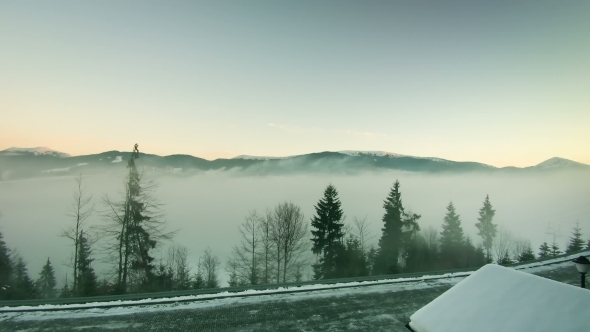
<point>65,291</point>
<point>576,242</point>
<point>24,287</point>
<point>526,255</point>
<point>451,241</point>
<point>486,229</point>
<point>46,282</point>
<point>5,270</point>
<point>554,250</point>
<point>327,231</point>
<point>544,251</point>
<point>393,241</point>
<point>87,281</point>
<point>588,245</point>
<point>135,229</point>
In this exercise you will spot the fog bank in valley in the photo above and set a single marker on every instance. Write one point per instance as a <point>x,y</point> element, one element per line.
<point>207,208</point>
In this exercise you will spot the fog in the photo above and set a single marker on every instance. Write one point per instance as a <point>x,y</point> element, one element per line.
<point>207,208</point>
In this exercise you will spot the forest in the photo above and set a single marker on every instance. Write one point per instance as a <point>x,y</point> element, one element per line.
<point>277,245</point>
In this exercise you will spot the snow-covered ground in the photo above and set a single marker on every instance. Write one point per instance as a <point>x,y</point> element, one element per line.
<point>102,309</point>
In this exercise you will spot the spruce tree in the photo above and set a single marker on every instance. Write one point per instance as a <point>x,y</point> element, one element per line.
<point>87,281</point>
<point>397,232</point>
<point>328,234</point>
<point>554,250</point>
<point>46,282</point>
<point>24,287</point>
<point>451,241</point>
<point>544,251</point>
<point>576,242</point>
<point>527,255</point>
<point>486,229</point>
<point>5,270</point>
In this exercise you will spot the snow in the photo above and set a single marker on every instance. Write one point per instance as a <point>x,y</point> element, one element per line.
<point>82,164</point>
<point>36,151</point>
<point>387,154</point>
<point>557,162</point>
<point>496,298</point>
<point>246,157</point>
<point>252,296</point>
<point>117,159</point>
<point>65,169</point>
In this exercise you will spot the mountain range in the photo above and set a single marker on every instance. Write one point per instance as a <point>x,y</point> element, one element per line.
<point>18,163</point>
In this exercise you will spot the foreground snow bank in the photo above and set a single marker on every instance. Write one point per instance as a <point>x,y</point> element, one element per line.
<point>496,298</point>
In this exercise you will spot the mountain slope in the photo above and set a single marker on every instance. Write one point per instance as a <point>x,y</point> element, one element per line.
<point>24,163</point>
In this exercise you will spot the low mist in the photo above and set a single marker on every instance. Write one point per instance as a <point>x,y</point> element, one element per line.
<point>207,208</point>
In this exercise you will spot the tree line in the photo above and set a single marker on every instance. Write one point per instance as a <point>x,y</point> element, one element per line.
<point>278,245</point>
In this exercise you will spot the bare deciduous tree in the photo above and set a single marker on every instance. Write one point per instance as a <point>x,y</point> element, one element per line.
<point>246,253</point>
<point>503,244</point>
<point>362,231</point>
<point>80,211</point>
<point>178,266</point>
<point>210,267</point>
<point>266,246</point>
<point>290,234</point>
<point>431,238</point>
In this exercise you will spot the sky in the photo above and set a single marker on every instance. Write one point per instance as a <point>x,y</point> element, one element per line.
<point>503,83</point>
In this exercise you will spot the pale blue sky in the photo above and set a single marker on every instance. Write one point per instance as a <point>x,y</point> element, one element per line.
<point>503,82</point>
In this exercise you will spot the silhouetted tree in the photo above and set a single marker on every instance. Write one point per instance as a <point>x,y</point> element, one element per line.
<point>451,241</point>
<point>135,228</point>
<point>555,249</point>
<point>80,211</point>
<point>397,232</point>
<point>5,270</point>
<point>487,229</point>
<point>544,251</point>
<point>66,291</point>
<point>327,231</point>
<point>576,242</point>
<point>46,282</point>
<point>87,281</point>
<point>210,267</point>
<point>289,233</point>
<point>24,287</point>
<point>526,255</point>
<point>245,256</point>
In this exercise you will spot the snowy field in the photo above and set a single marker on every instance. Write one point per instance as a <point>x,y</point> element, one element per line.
<point>382,306</point>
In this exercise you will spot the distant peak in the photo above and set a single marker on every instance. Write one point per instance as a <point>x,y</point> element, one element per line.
<point>44,151</point>
<point>557,162</point>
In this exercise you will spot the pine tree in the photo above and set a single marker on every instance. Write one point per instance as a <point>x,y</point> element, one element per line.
<point>24,287</point>
<point>65,291</point>
<point>576,242</point>
<point>327,233</point>
<point>397,232</point>
<point>505,260</point>
<point>544,251</point>
<point>87,281</point>
<point>527,255</point>
<point>5,270</point>
<point>134,230</point>
<point>451,241</point>
<point>199,281</point>
<point>555,249</point>
<point>46,282</point>
<point>487,229</point>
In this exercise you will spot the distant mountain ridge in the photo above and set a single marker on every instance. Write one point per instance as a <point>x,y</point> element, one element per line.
<point>18,163</point>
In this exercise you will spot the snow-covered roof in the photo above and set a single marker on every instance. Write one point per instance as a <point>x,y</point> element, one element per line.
<point>496,298</point>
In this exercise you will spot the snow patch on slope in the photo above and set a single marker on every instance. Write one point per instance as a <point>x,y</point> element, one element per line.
<point>38,151</point>
<point>557,162</point>
<point>388,154</point>
<point>117,159</point>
